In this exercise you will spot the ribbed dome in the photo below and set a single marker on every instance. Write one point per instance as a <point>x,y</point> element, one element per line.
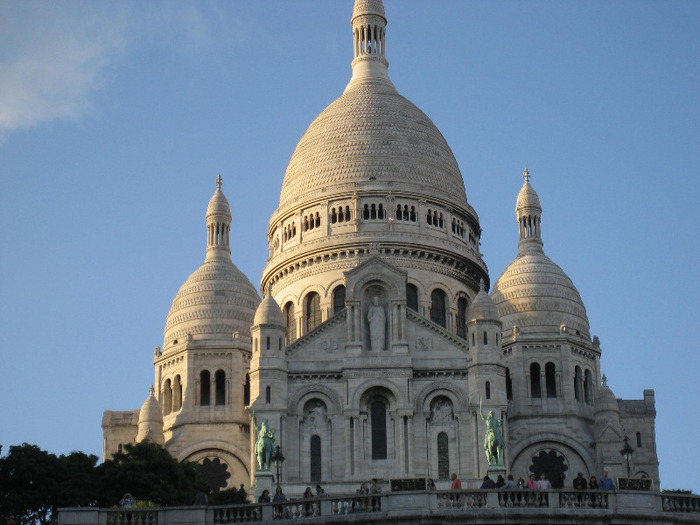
<point>150,425</point>
<point>533,293</point>
<point>605,400</point>
<point>372,135</point>
<point>269,313</point>
<point>528,198</point>
<point>218,205</point>
<point>216,301</point>
<point>483,307</point>
<point>536,295</point>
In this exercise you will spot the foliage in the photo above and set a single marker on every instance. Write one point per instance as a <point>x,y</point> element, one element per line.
<point>676,491</point>
<point>33,483</point>
<point>230,496</point>
<point>149,473</point>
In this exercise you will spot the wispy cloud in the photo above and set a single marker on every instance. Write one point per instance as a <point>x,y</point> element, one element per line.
<point>52,59</point>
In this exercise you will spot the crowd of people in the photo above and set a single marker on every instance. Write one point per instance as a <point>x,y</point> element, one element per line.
<point>580,483</point>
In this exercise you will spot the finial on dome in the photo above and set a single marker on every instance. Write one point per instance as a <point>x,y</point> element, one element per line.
<point>526,175</point>
<point>219,181</point>
<point>269,289</point>
<point>152,390</point>
<point>482,284</point>
<point>605,380</point>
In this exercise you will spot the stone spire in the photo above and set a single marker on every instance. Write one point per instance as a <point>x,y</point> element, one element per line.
<point>529,213</point>
<point>218,225</point>
<point>369,40</point>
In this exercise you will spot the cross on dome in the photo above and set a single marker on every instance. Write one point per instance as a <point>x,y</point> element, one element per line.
<point>219,182</point>
<point>526,175</point>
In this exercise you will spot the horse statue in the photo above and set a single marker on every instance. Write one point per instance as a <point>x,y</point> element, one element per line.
<point>265,443</point>
<point>493,440</point>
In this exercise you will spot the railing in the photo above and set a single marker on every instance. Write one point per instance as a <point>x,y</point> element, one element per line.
<point>680,503</point>
<point>412,506</point>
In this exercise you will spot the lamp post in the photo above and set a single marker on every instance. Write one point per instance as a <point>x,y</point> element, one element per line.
<point>278,458</point>
<point>626,453</point>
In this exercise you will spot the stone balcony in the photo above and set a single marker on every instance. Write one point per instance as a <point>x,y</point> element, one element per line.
<point>560,507</point>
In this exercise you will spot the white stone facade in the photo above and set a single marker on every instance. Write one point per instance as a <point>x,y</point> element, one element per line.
<point>374,217</point>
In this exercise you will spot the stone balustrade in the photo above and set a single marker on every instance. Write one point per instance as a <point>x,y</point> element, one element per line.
<point>483,506</point>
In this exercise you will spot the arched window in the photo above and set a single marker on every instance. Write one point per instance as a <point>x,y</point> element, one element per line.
<point>204,388</point>
<point>167,397</point>
<point>639,440</point>
<point>220,378</point>
<point>486,338</point>
<point>462,317</point>
<point>267,344</point>
<point>438,307</point>
<point>338,299</point>
<point>378,421</point>
<point>289,320</point>
<point>177,394</point>
<point>587,386</point>
<point>312,311</point>
<point>443,453</point>
<point>246,390</point>
<point>509,385</point>
<point>550,377</point>
<point>412,297</point>
<point>488,390</point>
<point>578,383</point>
<point>315,459</point>
<point>535,380</point>
<point>267,395</point>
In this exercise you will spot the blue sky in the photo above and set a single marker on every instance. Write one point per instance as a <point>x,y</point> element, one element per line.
<point>116,117</point>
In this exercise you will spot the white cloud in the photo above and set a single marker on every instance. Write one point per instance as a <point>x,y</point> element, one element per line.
<point>52,57</point>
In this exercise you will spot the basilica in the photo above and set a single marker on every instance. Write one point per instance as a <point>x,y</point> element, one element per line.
<point>381,344</point>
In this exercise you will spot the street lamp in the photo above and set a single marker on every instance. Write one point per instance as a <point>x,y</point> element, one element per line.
<point>278,458</point>
<point>626,453</point>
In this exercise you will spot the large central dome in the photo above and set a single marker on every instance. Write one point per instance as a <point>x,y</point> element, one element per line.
<point>372,175</point>
<point>371,134</point>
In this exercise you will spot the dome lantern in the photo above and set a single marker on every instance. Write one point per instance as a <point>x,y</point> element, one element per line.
<point>529,213</point>
<point>218,224</point>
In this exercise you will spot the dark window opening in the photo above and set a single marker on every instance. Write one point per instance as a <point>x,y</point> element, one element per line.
<point>338,299</point>
<point>550,379</point>
<point>220,379</point>
<point>378,421</point>
<point>438,307</point>
<point>267,395</point>
<point>412,297</point>
<point>535,380</point>
<point>315,460</point>
<point>443,456</point>
<point>204,388</point>
<point>313,311</point>
<point>509,386</point>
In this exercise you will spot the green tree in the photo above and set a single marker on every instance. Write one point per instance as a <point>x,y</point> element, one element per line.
<point>28,484</point>
<point>149,473</point>
<point>33,483</point>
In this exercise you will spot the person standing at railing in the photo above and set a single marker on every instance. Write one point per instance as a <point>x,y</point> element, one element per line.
<point>531,483</point>
<point>605,482</point>
<point>543,483</point>
<point>456,482</point>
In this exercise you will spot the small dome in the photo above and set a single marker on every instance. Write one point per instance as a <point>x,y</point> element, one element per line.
<point>269,313</point>
<point>216,301</point>
<point>605,400</point>
<point>536,295</point>
<point>528,198</point>
<point>150,421</point>
<point>218,204</point>
<point>483,306</point>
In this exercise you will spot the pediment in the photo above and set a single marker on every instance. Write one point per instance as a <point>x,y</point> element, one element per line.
<point>375,269</point>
